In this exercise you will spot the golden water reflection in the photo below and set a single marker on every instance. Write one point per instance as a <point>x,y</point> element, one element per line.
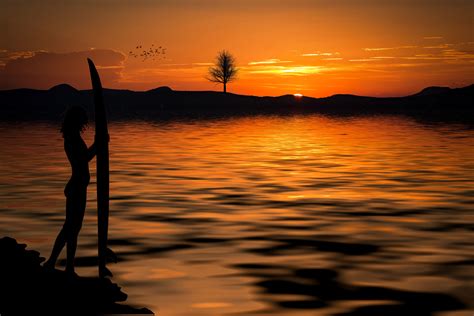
<point>265,215</point>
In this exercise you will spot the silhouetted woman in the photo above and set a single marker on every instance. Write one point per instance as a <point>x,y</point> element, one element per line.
<point>79,156</point>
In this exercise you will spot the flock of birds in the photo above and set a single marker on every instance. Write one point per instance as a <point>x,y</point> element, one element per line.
<point>148,53</point>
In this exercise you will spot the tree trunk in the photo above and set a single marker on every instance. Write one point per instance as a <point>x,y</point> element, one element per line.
<point>225,88</point>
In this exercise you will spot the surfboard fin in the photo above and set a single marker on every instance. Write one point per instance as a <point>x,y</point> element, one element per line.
<point>110,255</point>
<point>104,272</point>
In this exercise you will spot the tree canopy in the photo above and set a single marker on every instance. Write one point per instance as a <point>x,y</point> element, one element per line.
<point>224,69</point>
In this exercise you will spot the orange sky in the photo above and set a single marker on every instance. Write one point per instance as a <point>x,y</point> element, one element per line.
<point>317,48</point>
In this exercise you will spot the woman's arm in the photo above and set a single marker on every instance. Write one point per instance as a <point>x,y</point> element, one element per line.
<point>91,152</point>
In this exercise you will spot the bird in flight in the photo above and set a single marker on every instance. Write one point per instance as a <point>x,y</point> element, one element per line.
<point>152,52</point>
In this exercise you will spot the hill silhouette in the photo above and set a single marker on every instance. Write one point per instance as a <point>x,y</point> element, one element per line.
<point>432,91</point>
<point>162,102</point>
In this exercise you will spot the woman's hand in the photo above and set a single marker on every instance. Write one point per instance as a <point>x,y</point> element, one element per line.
<point>108,138</point>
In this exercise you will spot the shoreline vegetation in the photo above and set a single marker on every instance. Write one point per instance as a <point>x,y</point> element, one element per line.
<point>29,289</point>
<point>434,103</point>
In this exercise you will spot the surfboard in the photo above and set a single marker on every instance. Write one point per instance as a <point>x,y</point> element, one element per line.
<point>102,171</point>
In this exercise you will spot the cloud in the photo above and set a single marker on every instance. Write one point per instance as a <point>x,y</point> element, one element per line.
<point>42,69</point>
<point>369,49</point>
<point>269,61</point>
<point>361,59</point>
<point>445,54</point>
<point>286,70</point>
<point>432,37</point>
<point>162,74</point>
<point>377,49</point>
<point>6,55</point>
<point>438,46</point>
<point>442,52</point>
<point>202,64</point>
<point>319,54</point>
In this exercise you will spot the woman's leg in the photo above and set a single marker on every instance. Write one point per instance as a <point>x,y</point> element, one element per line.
<point>57,248</point>
<point>71,249</point>
<point>75,211</point>
<point>61,239</point>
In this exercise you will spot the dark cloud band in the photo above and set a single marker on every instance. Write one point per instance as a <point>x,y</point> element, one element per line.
<point>46,69</point>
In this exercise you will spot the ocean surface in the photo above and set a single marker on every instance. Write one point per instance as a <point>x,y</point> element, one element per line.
<point>297,215</point>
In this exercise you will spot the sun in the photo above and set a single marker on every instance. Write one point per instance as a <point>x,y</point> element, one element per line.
<point>297,95</point>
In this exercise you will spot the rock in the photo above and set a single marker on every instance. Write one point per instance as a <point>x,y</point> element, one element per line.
<point>26,288</point>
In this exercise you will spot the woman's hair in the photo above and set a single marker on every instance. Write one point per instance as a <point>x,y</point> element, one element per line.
<point>75,120</point>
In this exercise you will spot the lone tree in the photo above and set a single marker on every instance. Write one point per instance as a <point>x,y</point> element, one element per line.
<point>224,70</point>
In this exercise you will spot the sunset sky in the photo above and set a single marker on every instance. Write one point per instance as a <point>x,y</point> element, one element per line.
<point>317,48</point>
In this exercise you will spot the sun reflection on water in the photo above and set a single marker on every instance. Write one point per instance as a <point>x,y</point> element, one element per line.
<point>212,217</point>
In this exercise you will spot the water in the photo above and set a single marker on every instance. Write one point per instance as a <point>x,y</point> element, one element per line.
<point>304,215</point>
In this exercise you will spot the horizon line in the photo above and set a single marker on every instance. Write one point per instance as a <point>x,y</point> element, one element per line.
<point>249,95</point>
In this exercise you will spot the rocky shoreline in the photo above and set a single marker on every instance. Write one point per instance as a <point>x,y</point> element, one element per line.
<point>29,289</point>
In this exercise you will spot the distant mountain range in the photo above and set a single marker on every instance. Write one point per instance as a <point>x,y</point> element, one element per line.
<point>163,102</point>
